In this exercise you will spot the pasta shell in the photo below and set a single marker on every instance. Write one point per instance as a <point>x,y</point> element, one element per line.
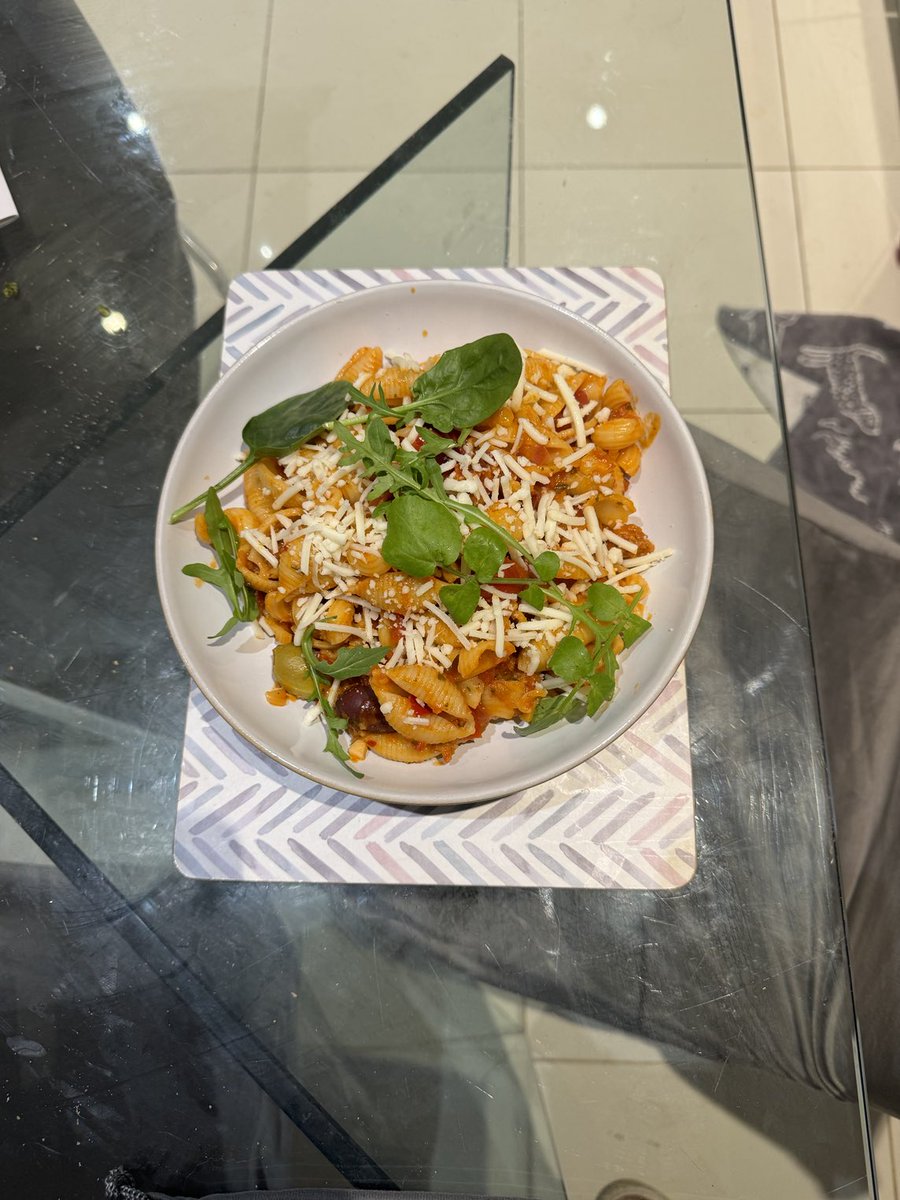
<point>612,509</point>
<point>636,535</point>
<point>431,688</point>
<point>396,382</point>
<point>364,361</point>
<point>262,487</point>
<point>618,393</point>
<point>508,698</point>
<point>506,516</point>
<point>629,459</point>
<point>478,658</point>
<point>393,747</point>
<point>339,612</point>
<point>262,577</point>
<point>396,592</point>
<point>406,695</point>
<point>276,608</point>
<point>472,689</point>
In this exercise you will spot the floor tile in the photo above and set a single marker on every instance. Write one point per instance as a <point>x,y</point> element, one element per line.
<point>442,219</point>
<point>212,213</point>
<point>506,1008</point>
<point>810,10</point>
<point>781,242</point>
<point>695,226</point>
<point>757,434</point>
<point>758,55</point>
<point>645,1122</point>
<point>285,204</point>
<point>849,222</point>
<point>194,71</point>
<point>332,109</point>
<point>629,83</point>
<point>883,1127</point>
<point>17,847</point>
<point>841,90</point>
<point>557,1036</point>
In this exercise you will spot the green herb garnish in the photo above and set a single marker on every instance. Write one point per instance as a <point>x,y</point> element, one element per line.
<point>461,599</point>
<point>421,533</point>
<point>281,429</point>
<point>226,576</point>
<point>352,661</point>
<point>484,552</point>
<point>591,672</point>
<point>467,384</point>
<point>348,664</point>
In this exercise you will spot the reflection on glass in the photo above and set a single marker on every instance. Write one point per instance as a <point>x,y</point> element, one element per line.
<point>597,116</point>
<point>136,123</point>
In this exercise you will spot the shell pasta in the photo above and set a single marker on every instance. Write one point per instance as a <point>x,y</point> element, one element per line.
<point>483,622</point>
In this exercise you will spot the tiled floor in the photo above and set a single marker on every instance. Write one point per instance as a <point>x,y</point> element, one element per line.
<point>264,136</point>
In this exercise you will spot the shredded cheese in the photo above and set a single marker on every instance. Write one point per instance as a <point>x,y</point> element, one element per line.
<point>573,408</point>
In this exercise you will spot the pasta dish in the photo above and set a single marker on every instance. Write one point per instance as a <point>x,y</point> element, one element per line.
<point>433,546</point>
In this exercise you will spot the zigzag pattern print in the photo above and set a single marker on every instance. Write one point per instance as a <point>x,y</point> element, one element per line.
<point>624,819</point>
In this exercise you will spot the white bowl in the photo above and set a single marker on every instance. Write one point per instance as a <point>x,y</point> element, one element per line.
<point>670,493</point>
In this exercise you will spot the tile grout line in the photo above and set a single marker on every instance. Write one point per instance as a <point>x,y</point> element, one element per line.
<point>788,128</point>
<point>257,141</point>
<point>330,169</point>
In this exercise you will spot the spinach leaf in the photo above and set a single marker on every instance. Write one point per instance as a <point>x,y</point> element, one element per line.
<point>467,384</point>
<point>484,552</point>
<point>226,576</point>
<point>421,533</point>
<point>352,661</point>
<point>282,428</point>
<point>461,599</point>
<point>287,425</point>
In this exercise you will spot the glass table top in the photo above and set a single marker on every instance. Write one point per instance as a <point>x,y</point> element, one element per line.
<point>220,1036</point>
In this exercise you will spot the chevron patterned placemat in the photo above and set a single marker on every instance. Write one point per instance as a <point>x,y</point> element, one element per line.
<point>624,819</point>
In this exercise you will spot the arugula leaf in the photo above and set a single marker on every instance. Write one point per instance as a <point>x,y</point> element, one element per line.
<point>378,440</point>
<point>421,533</point>
<point>571,660</point>
<point>600,689</point>
<point>546,566</point>
<point>334,724</point>
<point>282,428</point>
<point>202,571</point>
<point>605,602</point>
<point>352,661</point>
<point>632,627</point>
<point>484,552</point>
<point>432,445</point>
<point>534,595</point>
<point>226,576</point>
<point>461,599</point>
<point>467,384</point>
<point>549,710</point>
